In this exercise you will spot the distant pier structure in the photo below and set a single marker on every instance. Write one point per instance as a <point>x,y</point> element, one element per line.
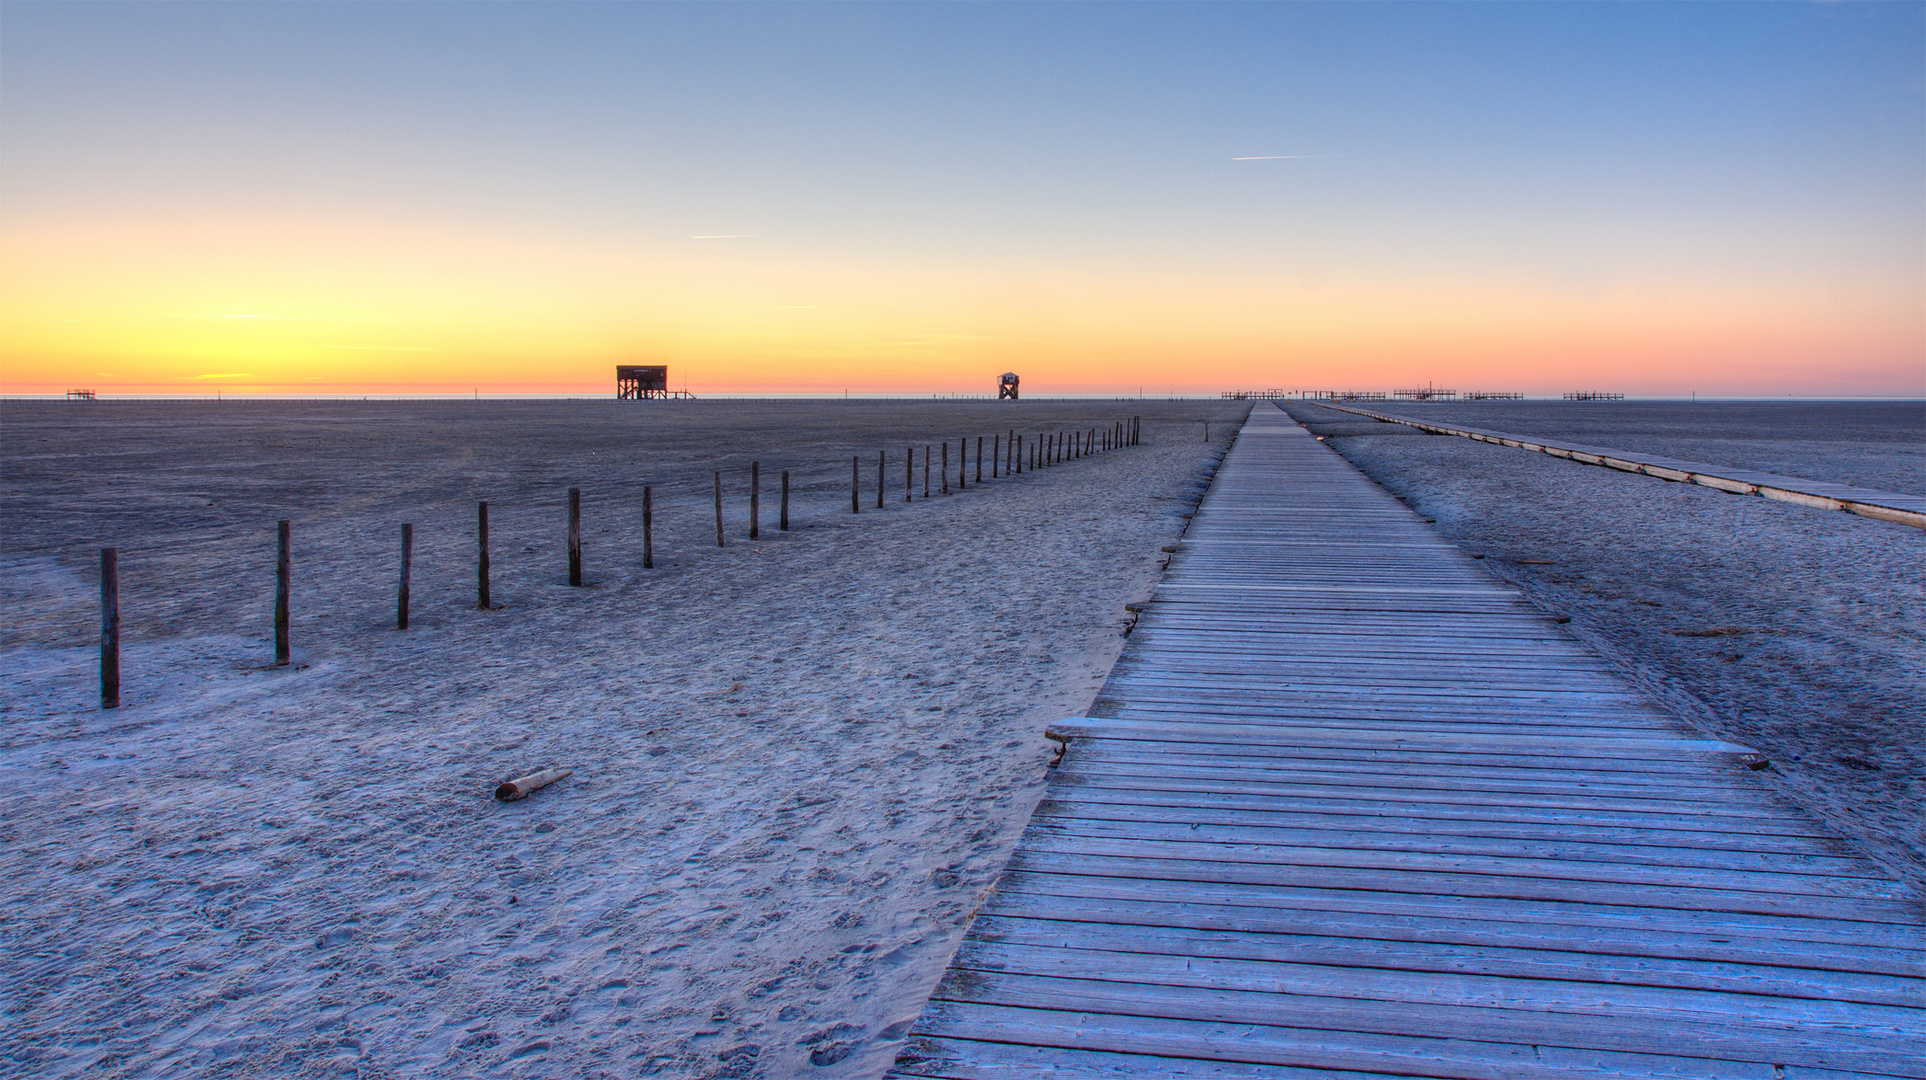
<point>1006,386</point>
<point>80,395</point>
<point>1593,395</point>
<point>1303,395</point>
<point>640,382</point>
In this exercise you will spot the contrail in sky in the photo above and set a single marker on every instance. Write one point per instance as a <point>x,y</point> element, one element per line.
<point>1282,157</point>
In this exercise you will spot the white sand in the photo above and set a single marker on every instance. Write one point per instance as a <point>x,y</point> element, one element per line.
<point>800,762</point>
<point>1797,631</point>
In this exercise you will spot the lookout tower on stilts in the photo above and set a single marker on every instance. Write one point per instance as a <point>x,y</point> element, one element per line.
<point>1006,386</point>
<point>637,382</point>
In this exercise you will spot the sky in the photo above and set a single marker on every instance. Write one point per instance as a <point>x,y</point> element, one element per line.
<point>1655,199</point>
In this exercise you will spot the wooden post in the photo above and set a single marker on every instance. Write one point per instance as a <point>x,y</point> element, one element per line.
<point>481,551</point>
<point>648,528</point>
<point>755,500</point>
<point>1019,454</point>
<point>1009,451</point>
<point>926,470</point>
<point>882,460</point>
<point>909,472</point>
<point>574,536</point>
<point>719,540</point>
<point>1207,431</point>
<point>996,453</point>
<point>946,467</point>
<point>962,464</point>
<point>785,500</point>
<point>855,499</point>
<point>407,563</point>
<point>282,567</point>
<point>979,459</point>
<point>1136,429</point>
<point>110,628</point>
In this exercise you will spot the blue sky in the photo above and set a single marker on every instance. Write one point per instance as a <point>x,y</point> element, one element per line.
<point>1574,150</point>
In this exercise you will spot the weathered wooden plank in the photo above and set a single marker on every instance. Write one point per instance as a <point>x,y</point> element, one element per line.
<point>1736,1038</point>
<point>1892,974</point>
<point>1647,872</point>
<point>1543,821</point>
<point>1390,791</point>
<point>1464,828</point>
<point>1135,770</point>
<point>1503,959</point>
<point>1523,768</point>
<point>1002,1046</point>
<point>1113,804</point>
<point>1112,955</point>
<point>1893,909</point>
<point>1681,853</point>
<point>1590,911</point>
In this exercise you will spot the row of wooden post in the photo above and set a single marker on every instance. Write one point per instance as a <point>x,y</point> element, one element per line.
<point>1008,453</point>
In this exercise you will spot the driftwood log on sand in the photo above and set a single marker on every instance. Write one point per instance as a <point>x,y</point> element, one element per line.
<point>522,786</point>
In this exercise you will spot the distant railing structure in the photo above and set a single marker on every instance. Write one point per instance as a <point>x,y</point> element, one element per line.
<point>1492,395</point>
<point>80,395</point>
<point>1303,395</point>
<point>1427,392</point>
<point>1593,395</point>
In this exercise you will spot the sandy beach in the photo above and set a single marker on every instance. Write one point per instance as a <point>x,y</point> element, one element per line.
<point>799,761</point>
<point>1795,631</point>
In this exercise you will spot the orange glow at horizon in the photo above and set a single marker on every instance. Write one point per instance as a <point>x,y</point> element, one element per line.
<point>267,306</point>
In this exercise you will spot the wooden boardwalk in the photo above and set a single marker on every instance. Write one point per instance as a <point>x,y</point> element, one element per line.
<point>1355,809</point>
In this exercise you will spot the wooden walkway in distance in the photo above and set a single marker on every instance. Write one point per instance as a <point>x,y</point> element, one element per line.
<point>1355,809</point>
<point>1893,506</point>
